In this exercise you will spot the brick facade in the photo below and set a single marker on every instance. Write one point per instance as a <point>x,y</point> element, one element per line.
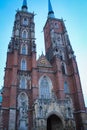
<point>26,104</point>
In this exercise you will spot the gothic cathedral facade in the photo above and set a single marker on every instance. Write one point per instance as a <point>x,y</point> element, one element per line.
<point>43,94</point>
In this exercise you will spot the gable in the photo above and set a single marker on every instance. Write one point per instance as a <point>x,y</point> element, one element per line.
<point>43,62</point>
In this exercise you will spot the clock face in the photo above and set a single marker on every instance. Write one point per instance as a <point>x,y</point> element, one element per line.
<point>42,61</point>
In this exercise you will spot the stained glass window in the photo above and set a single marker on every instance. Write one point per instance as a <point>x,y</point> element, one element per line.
<point>24,34</point>
<point>24,49</point>
<point>23,82</point>
<point>63,69</point>
<point>23,65</point>
<point>44,88</point>
<point>66,88</point>
<point>25,21</point>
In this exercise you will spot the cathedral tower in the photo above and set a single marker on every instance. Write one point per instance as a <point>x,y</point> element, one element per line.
<point>21,59</point>
<point>43,94</point>
<point>60,54</point>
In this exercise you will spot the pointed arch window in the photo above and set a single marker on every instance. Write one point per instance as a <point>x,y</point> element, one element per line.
<point>62,55</point>
<point>17,32</point>
<point>24,49</point>
<point>23,83</point>
<point>45,88</point>
<point>66,88</point>
<point>63,68</point>
<point>24,34</point>
<point>23,64</point>
<point>25,21</point>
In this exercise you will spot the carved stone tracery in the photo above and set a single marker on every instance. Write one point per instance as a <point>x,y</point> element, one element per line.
<point>44,108</point>
<point>23,111</point>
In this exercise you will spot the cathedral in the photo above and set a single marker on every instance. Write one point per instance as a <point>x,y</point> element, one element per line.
<point>43,93</point>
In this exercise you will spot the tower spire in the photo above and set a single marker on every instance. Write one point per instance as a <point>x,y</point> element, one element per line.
<point>50,10</point>
<point>24,6</point>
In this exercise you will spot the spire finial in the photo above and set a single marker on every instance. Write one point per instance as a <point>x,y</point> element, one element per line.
<point>50,10</point>
<point>24,6</point>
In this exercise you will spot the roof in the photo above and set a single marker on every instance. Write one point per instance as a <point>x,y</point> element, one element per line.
<point>50,10</point>
<point>24,6</point>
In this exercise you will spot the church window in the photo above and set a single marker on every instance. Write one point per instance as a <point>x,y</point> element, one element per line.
<point>23,65</point>
<point>45,88</point>
<point>70,112</point>
<point>17,32</point>
<point>24,49</point>
<point>56,25</point>
<point>23,82</point>
<point>63,69</point>
<point>56,50</point>
<point>24,34</point>
<point>66,88</point>
<point>25,21</point>
<point>61,55</point>
<point>41,111</point>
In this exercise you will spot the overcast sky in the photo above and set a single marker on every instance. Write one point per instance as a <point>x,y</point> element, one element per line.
<point>74,13</point>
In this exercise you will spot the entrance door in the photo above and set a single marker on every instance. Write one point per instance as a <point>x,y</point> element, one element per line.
<point>54,123</point>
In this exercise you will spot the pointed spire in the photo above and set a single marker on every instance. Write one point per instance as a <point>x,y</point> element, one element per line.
<point>24,6</point>
<point>50,10</point>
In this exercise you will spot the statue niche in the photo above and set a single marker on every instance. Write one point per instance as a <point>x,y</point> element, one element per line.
<point>23,111</point>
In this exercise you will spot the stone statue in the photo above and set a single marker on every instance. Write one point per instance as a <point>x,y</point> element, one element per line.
<point>23,115</point>
<point>23,110</point>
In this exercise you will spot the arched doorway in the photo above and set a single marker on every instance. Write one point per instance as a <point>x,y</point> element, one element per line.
<point>54,123</point>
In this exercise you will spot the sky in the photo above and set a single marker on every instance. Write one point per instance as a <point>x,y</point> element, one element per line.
<point>73,12</point>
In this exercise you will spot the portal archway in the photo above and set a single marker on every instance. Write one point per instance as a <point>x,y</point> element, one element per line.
<point>54,123</point>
